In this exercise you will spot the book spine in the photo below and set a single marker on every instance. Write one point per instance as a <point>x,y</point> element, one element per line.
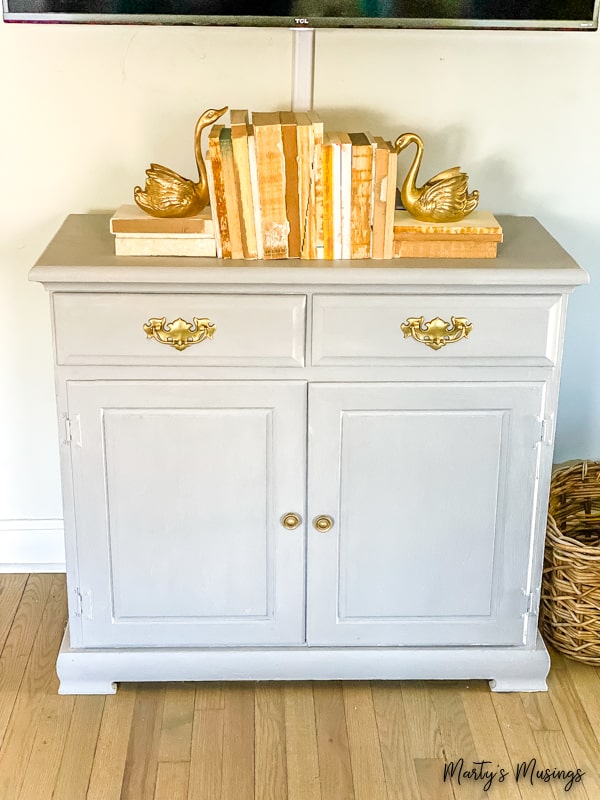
<point>362,184</point>
<point>336,198</point>
<point>346,198</point>
<point>328,189</point>
<point>255,192</point>
<point>231,194</point>
<point>241,165</point>
<point>220,208</point>
<point>388,243</point>
<point>292,203</point>
<point>304,137</point>
<point>379,198</point>
<point>270,165</point>
<point>316,191</point>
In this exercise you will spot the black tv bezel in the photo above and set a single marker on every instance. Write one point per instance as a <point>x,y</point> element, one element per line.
<point>303,22</point>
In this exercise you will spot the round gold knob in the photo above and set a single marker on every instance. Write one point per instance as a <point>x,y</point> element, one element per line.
<point>323,523</point>
<point>291,521</point>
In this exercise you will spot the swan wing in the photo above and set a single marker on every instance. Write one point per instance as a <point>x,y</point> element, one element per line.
<point>166,191</point>
<point>445,197</point>
<point>442,176</point>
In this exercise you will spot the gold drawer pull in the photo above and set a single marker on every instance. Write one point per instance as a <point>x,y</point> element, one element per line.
<point>179,333</point>
<point>323,523</point>
<point>291,521</point>
<point>437,332</point>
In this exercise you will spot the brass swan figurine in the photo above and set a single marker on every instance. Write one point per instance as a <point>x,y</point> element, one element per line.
<point>167,194</point>
<point>444,198</point>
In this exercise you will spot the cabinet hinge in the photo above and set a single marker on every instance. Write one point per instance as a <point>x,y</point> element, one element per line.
<point>72,430</point>
<point>546,430</point>
<point>83,604</point>
<point>531,602</point>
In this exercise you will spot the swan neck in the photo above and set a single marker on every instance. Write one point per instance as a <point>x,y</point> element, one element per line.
<point>200,125</point>
<point>410,183</point>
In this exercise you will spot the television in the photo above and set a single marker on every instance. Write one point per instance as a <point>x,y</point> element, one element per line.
<point>511,14</point>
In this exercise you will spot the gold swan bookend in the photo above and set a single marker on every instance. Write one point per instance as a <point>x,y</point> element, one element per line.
<point>444,198</point>
<point>167,194</point>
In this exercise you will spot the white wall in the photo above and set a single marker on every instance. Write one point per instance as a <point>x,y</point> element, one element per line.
<point>83,110</point>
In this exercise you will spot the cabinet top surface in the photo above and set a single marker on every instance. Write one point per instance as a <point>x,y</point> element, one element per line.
<point>82,254</point>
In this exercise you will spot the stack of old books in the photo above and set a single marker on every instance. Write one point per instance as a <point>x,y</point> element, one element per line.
<point>282,187</point>
<point>138,234</point>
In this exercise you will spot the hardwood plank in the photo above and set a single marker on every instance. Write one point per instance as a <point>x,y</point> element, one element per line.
<point>139,777</point>
<point>38,677</point>
<point>457,740</point>
<point>19,643</point>
<point>302,756</point>
<point>576,727</point>
<point>177,721</point>
<point>425,737</point>
<point>519,741</point>
<point>586,680</point>
<point>488,739</point>
<point>365,753</point>
<point>11,592</point>
<point>540,711</point>
<point>269,741</point>
<point>207,755</point>
<point>111,750</point>
<point>394,733</point>
<point>332,742</point>
<point>48,745</point>
<point>238,742</point>
<point>430,777</point>
<point>80,747</point>
<point>210,695</point>
<point>172,779</point>
<point>556,754</point>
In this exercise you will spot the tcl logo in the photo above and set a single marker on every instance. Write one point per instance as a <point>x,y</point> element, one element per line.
<point>301,21</point>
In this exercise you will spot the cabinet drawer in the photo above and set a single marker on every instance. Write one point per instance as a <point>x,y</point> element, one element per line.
<point>353,329</point>
<point>254,330</point>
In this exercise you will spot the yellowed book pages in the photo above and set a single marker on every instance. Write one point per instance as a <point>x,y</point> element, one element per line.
<point>241,166</point>
<point>129,218</point>
<point>379,197</point>
<point>454,248</point>
<point>213,203</point>
<point>176,245</point>
<point>362,191</point>
<point>304,137</point>
<point>231,194</point>
<point>388,244</point>
<point>316,191</point>
<point>270,166</point>
<point>478,223</point>
<point>328,190</point>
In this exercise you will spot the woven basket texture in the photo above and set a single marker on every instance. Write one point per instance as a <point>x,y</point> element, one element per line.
<point>570,602</point>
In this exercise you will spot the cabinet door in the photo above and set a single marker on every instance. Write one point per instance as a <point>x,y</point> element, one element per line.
<point>178,492</point>
<point>432,488</point>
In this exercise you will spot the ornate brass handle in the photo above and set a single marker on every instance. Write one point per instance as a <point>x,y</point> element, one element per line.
<point>436,333</point>
<point>179,333</point>
<point>323,523</point>
<point>291,521</point>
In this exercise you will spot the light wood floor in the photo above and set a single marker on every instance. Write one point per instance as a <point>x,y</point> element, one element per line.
<point>297,741</point>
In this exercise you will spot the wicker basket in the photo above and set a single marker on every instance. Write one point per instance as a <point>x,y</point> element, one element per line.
<point>570,603</point>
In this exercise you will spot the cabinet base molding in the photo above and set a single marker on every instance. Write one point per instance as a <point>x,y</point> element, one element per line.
<point>508,669</point>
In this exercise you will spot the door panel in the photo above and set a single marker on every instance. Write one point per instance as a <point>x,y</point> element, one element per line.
<point>425,548</point>
<point>179,488</point>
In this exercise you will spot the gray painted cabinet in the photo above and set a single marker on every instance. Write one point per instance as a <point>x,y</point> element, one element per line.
<point>418,476</point>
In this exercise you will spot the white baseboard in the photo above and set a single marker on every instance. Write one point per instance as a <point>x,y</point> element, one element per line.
<point>32,545</point>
